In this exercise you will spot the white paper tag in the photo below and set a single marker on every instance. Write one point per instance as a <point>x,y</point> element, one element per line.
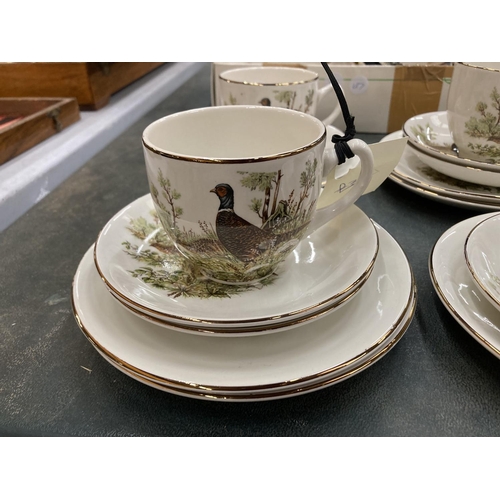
<point>386,156</point>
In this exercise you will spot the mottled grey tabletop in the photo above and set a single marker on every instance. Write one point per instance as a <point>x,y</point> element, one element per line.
<point>437,381</point>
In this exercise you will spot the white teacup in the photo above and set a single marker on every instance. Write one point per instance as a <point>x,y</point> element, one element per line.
<point>236,187</point>
<point>291,88</point>
<point>474,111</point>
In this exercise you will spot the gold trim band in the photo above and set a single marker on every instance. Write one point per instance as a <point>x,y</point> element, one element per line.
<point>279,393</point>
<point>258,84</point>
<point>453,311</point>
<point>258,329</point>
<point>402,182</point>
<point>458,194</point>
<point>225,161</point>
<point>471,268</point>
<point>452,158</point>
<point>188,385</point>
<point>149,311</point>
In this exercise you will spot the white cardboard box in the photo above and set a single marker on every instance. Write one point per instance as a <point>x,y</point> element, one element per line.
<point>380,97</point>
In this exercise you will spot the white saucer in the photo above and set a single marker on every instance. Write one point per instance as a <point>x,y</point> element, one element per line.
<point>429,132</point>
<point>320,272</point>
<point>468,174</point>
<point>267,395</point>
<point>296,361</point>
<point>252,328</point>
<point>411,173</point>
<point>482,256</point>
<point>457,289</point>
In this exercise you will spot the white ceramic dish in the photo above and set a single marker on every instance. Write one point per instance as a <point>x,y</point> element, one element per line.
<point>253,329</point>
<point>429,132</point>
<point>458,290</point>
<point>446,200</point>
<point>414,171</point>
<point>467,174</point>
<point>276,394</point>
<point>482,256</point>
<point>320,272</point>
<point>343,341</point>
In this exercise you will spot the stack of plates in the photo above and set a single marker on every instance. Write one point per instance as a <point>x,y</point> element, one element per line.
<point>465,270</point>
<point>430,167</point>
<point>340,302</point>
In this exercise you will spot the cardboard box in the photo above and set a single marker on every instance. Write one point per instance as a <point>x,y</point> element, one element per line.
<point>381,97</point>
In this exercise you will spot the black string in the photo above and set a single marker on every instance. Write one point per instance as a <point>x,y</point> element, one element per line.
<point>341,147</point>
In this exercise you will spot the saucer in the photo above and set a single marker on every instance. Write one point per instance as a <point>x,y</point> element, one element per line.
<point>411,173</point>
<point>458,290</point>
<point>429,132</point>
<point>482,257</point>
<point>253,329</point>
<point>274,394</point>
<point>135,259</point>
<point>468,174</point>
<point>301,386</point>
<point>328,350</point>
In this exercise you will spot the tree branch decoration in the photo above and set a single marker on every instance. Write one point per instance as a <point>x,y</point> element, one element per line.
<point>287,97</point>
<point>487,126</point>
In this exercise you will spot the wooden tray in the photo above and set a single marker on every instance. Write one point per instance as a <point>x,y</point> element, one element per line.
<point>28,121</point>
<point>91,84</point>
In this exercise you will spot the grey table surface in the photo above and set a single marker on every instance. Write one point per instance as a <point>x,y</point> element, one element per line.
<point>437,381</point>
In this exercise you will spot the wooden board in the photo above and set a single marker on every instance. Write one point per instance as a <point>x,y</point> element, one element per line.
<point>91,84</point>
<point>25,122</point>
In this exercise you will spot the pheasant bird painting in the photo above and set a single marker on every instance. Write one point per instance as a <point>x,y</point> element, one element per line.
<point>241,238</point>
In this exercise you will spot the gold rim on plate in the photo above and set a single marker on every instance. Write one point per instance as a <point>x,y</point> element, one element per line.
<point>453,311</point>
<point>455,192</point>
<point>189,385</point>
<point>230,331</point>
<point>293,391</point>
<point>477,280</point>
<point>479,204</point>
<point>298,313</point>
<point>451,158</point>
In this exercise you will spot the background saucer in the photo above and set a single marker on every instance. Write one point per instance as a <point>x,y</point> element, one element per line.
<point>482,256</point>
<point>430,133</point>
<point>458,291</point>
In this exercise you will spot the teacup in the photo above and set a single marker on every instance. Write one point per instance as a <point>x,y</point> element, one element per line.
<point>236,187</point>
<point>474,111</point>
<point>281,87</point>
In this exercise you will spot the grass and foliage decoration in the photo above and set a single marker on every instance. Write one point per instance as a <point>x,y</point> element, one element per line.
<point>457,183</point>
<point>164,267</point>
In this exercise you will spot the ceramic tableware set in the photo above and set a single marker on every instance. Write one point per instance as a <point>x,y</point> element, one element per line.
<point>465,271</point>
<point>232,280</point>
<point>453,156</point>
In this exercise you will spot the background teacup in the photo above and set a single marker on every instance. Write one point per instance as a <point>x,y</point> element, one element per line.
<point>474,110</point>
<point>236,187</point>
<point>291,88</point>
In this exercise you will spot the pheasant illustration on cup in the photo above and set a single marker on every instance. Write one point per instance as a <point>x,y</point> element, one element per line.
<point>236,187</point>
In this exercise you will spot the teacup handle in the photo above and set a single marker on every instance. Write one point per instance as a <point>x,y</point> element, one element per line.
<point>322,93</point>
<point>330,161</point>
